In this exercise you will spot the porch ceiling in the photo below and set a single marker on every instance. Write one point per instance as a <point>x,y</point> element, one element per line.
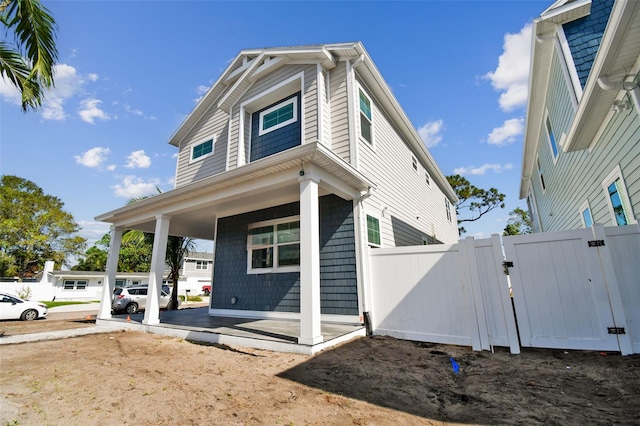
<point>264,183</point>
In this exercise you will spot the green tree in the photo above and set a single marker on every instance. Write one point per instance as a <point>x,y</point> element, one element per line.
<point>473,202</point>
<point>134,256</point>
<point>29,62</point>
<point>519,223</point>
<point>34,227</point>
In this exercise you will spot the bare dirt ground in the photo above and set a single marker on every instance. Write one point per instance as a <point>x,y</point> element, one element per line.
<point>141,379</point>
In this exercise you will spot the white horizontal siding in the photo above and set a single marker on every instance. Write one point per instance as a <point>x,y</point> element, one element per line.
<point>402,190</point>
<point>213,124</point>
<point>577,176</point>
<point>339,111</point>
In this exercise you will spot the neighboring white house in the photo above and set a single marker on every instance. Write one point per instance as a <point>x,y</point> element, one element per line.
<point>581,162</point>
<point>296,162</point>
<point>60,285</point>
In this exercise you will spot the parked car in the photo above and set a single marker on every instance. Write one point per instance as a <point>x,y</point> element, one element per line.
<point>12,307</point>
<point>132,299</point>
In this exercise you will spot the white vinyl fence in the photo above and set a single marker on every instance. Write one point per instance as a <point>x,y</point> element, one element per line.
<point>573,290</point>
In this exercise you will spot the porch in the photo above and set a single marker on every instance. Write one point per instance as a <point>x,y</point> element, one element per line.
<point>269,334</point>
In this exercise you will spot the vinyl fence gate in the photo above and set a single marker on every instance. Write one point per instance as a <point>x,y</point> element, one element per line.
<point>571,290</point>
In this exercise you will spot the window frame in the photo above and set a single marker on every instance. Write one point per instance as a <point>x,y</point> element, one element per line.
<point>201,265</point>
<point>614,176</point>
<point>447,206</point>
<point>370,120</point>
<point>293,101</point>
<point>370,243</point>
<point>203,156</point>
<point>414,163</point>
<point>585,207</point>
<point>275,268</point>
<point>551,138</point>
<point>540,174</point>
<point>74,285</point>
<point>427,178</point>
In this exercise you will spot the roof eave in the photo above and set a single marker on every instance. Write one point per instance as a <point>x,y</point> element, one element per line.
<point>624,12</point>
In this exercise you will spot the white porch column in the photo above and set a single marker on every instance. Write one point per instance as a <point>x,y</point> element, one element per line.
<point>310,330</point>
<point>152,310</point>
<point>109,281</point>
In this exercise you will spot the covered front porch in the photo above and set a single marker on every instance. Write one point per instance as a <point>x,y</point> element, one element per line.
<point>300,175</point>
<point>197,325</point>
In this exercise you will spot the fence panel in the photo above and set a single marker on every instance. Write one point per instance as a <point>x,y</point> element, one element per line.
<point>559,291</point>
<point>419,293</point>
<point>624,243</point>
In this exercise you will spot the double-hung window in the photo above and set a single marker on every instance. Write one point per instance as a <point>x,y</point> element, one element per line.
<point>274,246</point>
<point>552,139</point>
<point>202,150</point>
<point>366,118</point>
<point>617,198</point>
<point>75,285</point>
<point>447,207</point>
<point>278,116</point>
<point>373,231</point>
<point>544,187</point>
<point>202,265</point>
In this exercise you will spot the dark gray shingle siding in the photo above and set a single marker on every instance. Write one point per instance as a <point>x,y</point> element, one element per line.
<point>584,36</point>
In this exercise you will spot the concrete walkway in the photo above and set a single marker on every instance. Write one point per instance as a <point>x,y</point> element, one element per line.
<point>55,335</point>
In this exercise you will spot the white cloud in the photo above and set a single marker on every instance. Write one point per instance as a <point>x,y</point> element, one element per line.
<point>430,133</point>
<point>93,77</point>
<point>472,170</point>
<point>507,133</point>
<point>90,111</point>
<point>111,167</point>
<point>138,160</point>
<point>93,231</point>
<point>93,158</point>
<point>133,187</point>
<point>68,83</point>
<point>128,108</point>
<point>511,77</point>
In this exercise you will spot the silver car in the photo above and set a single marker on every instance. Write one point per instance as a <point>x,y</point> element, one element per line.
<point>12,307</point>
<point>133,299</point>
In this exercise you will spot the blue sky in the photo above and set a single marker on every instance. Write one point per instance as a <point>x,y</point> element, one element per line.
<point>129,73</point>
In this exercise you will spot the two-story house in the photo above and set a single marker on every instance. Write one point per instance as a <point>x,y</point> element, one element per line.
<point>581,161</point>
<point>296,162</point>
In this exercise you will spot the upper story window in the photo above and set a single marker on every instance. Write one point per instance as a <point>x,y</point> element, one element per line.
<point>552,139</point>
<point>278,116</point>
<point>373,231</point>
<point>202,265</point>
<point>447,206</point>
<point>366,118</point>
<point>585,214</point>
<point>544,187</point>
<point>414,163</point>
<point>274,246</point>
<point>618,200</point>
<point>427,178</point>
<point>204,149</point>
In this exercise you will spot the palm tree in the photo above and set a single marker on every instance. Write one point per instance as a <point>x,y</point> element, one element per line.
<point>177,249</point>
<point>29,63</point>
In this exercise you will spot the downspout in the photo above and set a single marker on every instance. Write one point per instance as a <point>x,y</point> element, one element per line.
<point>629,86</point>
<point>366,305</point>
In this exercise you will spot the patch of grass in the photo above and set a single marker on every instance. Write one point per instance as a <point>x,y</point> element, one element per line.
<point>61,303</point>
<point>192,298</point>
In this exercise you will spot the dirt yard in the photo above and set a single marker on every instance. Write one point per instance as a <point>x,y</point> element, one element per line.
<point>140,379</point>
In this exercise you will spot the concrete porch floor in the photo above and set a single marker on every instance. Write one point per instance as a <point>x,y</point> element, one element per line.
<point>195,324</point>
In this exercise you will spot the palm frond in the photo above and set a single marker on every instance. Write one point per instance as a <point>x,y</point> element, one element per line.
<point>14,68</point>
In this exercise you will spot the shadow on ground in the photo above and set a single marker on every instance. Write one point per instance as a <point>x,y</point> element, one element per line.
<point>537,386</point>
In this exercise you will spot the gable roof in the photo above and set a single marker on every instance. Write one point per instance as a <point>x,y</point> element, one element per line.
<point>252,64</point>
<point>618,55</point>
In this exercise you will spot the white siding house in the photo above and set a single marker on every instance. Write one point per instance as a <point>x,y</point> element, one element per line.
<point>296,162</point>
<point>581,162</point>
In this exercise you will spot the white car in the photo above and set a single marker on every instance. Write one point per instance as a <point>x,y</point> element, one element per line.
<point>12,307</point>
<point>132,299</point>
